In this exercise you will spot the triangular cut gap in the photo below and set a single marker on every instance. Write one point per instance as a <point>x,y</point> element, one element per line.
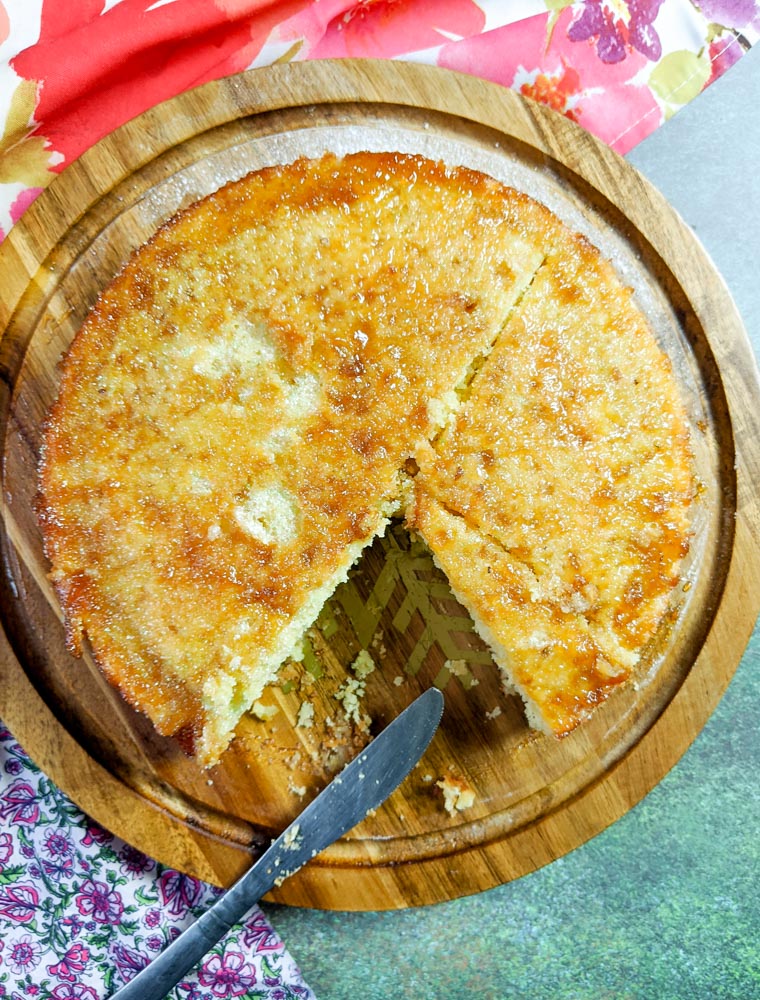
<point>398,608</point>
<point>393,585</point>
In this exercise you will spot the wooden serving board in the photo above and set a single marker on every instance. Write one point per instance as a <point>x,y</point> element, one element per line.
<point>536,797</point>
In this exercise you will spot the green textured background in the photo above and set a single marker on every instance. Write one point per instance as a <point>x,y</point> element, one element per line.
<point>663,904</point>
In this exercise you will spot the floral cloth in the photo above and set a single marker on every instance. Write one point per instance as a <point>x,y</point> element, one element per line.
<point>70,72</point>
<point>81,912</point>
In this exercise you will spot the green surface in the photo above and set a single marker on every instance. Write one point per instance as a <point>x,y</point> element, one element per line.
<point>663,904</point>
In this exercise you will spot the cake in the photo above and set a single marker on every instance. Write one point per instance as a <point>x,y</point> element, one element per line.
<point>320,347</point>
<point>566,473</point>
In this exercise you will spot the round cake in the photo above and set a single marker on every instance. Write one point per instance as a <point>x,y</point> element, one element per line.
<point>323,346</point>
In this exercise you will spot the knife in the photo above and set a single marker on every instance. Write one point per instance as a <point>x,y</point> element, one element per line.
<point>362,785</point>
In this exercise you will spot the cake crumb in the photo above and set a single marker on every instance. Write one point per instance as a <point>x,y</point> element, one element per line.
<point>292,838</point>
<point>281,878</point>
<point>456,667</point>
<point>363,665</point>
<point>494,713</point>
<point>299,790</point>
<point>398,681</point>
<point>298,652</point>
<point>305,718</point>
<point>457,794</point>
<point>264,713</point>
<point>350,695</point>
<point>351,692</point>
<point>460,669</point>
<point>377,643</point>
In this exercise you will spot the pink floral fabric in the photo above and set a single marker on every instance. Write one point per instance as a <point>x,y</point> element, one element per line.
<point>617,67</point>
<point>81,912</point>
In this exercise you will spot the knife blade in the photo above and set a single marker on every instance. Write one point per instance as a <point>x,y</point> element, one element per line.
<point>362,785</point>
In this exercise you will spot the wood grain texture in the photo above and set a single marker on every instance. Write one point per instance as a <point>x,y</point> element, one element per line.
<point>537,798</point>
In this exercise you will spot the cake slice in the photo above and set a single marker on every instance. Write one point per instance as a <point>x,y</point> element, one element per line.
<point>550,657</point>
<point>571,454</point>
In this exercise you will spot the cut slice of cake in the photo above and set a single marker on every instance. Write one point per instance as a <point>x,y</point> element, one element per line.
<point>571,454</point>
<point>550,657</point>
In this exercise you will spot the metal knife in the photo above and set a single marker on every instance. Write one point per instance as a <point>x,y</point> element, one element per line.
<point>362,785</point>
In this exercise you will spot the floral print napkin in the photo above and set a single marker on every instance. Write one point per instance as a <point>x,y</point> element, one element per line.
<point>80,911</point>
<point>70,72</point>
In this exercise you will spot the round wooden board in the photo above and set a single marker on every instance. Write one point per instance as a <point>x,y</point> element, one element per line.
<point>536,798</point>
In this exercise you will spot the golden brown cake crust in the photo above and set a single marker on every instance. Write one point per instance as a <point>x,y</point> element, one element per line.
<point>570,455</point>
<point>236,412</point>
